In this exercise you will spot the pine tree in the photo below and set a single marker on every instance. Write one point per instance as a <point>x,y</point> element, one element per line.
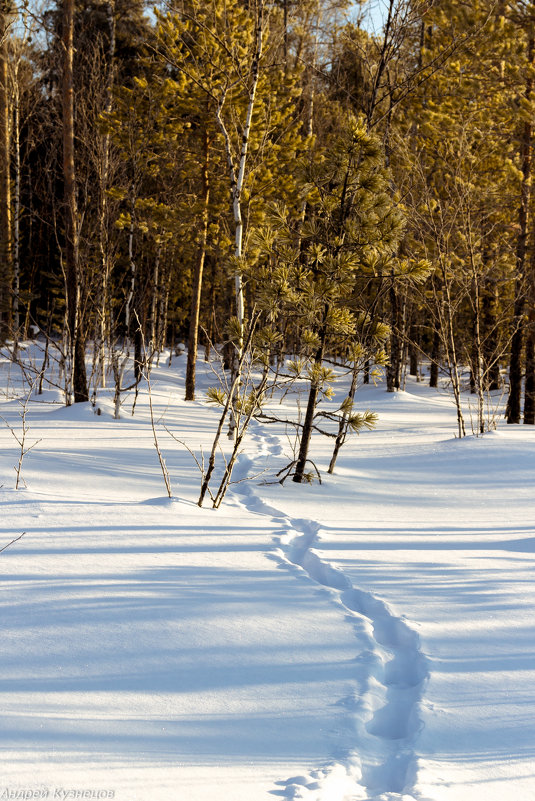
<point>351,230</point>
<point>455,165</point>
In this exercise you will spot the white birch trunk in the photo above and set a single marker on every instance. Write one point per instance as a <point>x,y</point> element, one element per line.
<point>237,179</point>
<point>237,176</point>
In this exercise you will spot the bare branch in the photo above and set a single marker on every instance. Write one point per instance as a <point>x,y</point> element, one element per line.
<point>13,541</point>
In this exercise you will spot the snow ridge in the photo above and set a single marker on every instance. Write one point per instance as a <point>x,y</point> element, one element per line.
<point>390,670</point>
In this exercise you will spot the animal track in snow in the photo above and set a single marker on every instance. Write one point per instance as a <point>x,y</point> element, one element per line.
<point>391,670</point>
<point>386,718</point>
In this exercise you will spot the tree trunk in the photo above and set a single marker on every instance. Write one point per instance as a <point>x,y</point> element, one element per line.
<point>512,412</point>
<point>529,400</point>
<point>72,266</point>
<point>164,309</point>
<point>393,370</point>
<point>157,290</point>
<point>16,217</point>
<point>132,264</point>
<point>139,355</point>
<point>237,166</point>
<point>450,352</point>
<point>306,431</point>
<point>529,395</point>
<point>343,424</point>
<point>237,170</point>
<point>435,356</point>
<point>5,187</point>
<point>104,244</point>
<point>477,358</point>
<point>212,327</point>
<point>193,339</point>
<point>413,350</point>
<point>490,343</point>
<point>306,434</point>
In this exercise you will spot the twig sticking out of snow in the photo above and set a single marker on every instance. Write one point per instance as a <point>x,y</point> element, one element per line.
<point>12,541</point>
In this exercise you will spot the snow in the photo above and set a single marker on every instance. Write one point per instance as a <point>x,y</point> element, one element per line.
<point>370,638</point>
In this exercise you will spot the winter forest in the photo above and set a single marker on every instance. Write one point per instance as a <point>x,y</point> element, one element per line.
<point>267,400</point>
<point>279,173</point>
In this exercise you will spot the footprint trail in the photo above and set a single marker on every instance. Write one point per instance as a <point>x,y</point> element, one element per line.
<point>390,670</point>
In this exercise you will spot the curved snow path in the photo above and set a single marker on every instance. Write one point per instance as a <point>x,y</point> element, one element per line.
<point>391,668</point>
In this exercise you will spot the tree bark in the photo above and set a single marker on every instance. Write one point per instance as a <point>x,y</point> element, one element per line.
<point>17,215</point>
<point>6,255</point>
<point>343,425</point>
<point>490,340</point>
<point>104,244</point>
<point>306,432</point>
<point>237,170</point>
<point>413,345</point>
<point>529,400</point>
<point>529,394</point>
<point>195,312</point>
<point>72,265</point>
<point>450,352</point>
<point>393,370</point>
<point>132,264</point>
<point>477,357</point>
<point>512,412</point>
<point>435,356</point>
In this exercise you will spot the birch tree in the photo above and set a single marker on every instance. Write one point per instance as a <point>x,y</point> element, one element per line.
<point>225,52</point>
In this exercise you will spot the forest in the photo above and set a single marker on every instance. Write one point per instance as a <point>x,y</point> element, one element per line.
<point>302,184</point>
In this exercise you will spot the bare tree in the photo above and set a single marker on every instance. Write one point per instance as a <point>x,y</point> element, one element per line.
<point>21,436</point>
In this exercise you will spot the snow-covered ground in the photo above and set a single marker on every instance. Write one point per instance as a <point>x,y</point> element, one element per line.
<point>369,638</point>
